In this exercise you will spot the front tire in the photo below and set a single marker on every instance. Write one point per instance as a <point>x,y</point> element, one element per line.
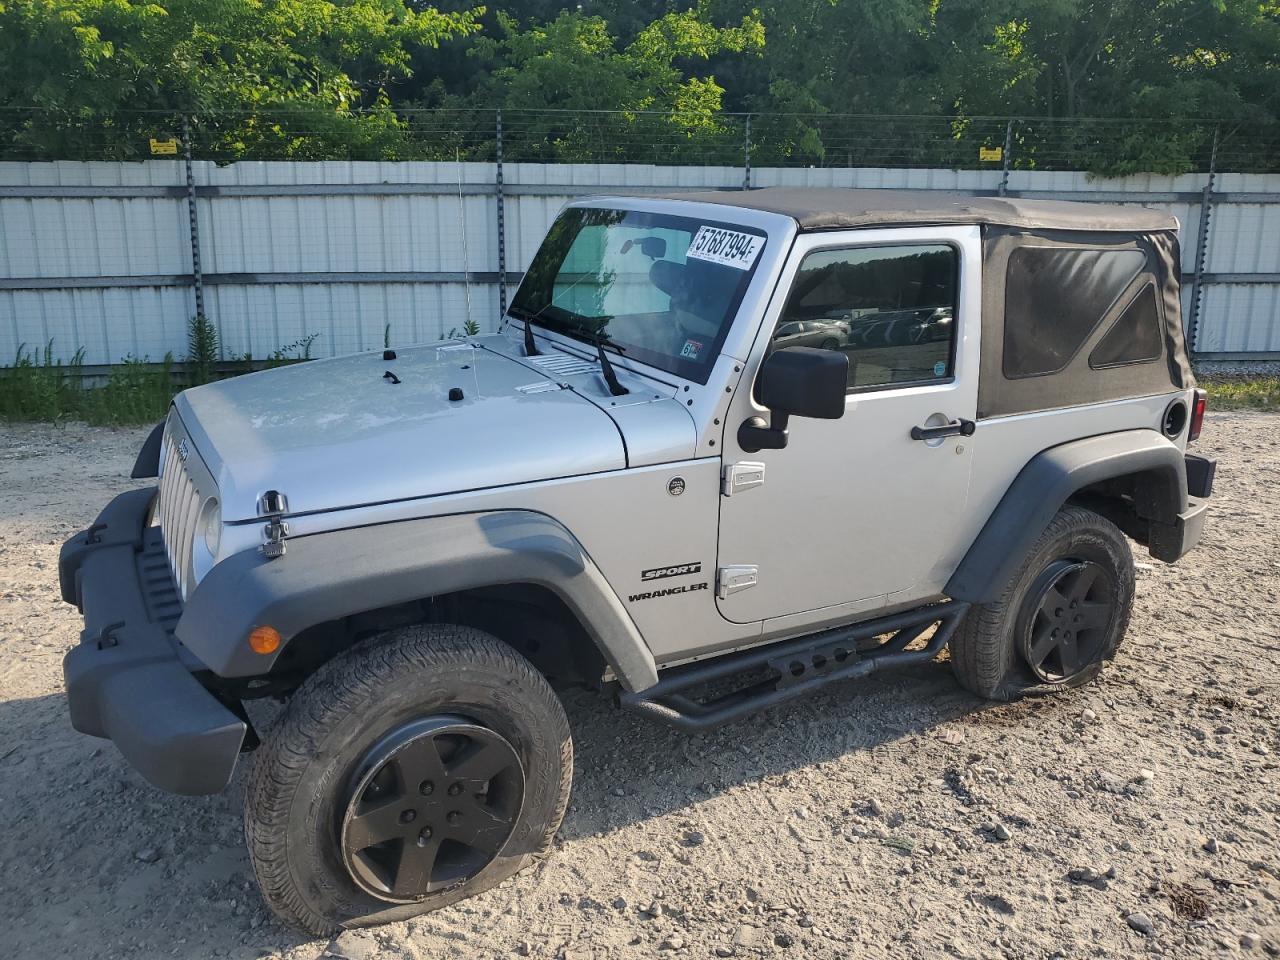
<point>409,772</point>
<point>1062,614</point>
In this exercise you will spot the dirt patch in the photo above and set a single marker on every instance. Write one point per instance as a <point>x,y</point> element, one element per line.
<point>1188,902</point>
<point>891,817</point>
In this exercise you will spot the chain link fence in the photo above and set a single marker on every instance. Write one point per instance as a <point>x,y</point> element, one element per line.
<point>110,260</point>
<point>1103,146</point>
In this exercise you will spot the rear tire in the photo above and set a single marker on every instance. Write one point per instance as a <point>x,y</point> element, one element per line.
<point>354,722</point>
<point>1062,614</point>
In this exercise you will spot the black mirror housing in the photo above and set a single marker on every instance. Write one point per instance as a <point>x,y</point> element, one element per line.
<point>804,382</point>
<point>795,381</point>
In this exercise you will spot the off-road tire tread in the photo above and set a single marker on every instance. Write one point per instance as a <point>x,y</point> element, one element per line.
<point>344,685</point>
<point>981,648</point>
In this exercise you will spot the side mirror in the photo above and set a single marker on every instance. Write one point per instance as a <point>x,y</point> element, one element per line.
<point>796,381</point>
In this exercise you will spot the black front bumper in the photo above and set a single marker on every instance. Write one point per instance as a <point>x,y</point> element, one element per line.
<point>129,680</point>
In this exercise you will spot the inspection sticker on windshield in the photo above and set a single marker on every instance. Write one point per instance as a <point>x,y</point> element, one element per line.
<point>691,349</point>
<point>727,247</point>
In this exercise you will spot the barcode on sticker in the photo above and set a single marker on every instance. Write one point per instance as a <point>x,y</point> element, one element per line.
<point>727,247</point>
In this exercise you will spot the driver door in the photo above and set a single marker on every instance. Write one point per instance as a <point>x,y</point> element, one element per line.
<point>854,513</point>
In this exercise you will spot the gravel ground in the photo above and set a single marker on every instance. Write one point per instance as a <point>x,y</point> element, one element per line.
<point>1237,368</point>
<point>895,817</point>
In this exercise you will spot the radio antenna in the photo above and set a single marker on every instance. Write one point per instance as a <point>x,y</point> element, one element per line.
<point>466,262</point>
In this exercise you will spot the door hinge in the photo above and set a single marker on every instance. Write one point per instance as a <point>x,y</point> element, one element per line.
<point>736,578</point>
<point>741,476</point>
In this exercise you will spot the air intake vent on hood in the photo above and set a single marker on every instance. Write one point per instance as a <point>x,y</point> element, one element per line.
<point>562,364</point>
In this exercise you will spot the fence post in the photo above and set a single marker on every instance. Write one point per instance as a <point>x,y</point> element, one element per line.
<point>499,200</point>
<point>1202,246</point>
<point>197,276</point>
<point>1004,157</point>
<point>746,153</point>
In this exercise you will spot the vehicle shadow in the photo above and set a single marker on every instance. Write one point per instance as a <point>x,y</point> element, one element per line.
<point>95,861</point>
<point>629,769</point>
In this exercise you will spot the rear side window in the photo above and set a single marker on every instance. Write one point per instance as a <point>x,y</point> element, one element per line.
<point>1134,337</point>
<point>890,310</point>
<point>1055,298</point>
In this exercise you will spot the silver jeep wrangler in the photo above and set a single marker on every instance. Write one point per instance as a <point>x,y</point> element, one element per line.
<point>726,449</point>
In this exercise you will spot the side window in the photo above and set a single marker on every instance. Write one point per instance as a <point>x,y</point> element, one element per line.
<point>1135,336</point>
<point>891,310</point>
<point>1054,299</point>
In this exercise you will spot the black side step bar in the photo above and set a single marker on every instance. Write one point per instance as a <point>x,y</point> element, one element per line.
<point>797,667</point>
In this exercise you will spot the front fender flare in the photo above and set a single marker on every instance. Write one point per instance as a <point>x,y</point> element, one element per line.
<point>1043,486</point>
<point>327,576</point>
<point>147,464</point>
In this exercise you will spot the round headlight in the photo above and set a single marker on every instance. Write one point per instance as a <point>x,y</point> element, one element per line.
<point>211,525</point>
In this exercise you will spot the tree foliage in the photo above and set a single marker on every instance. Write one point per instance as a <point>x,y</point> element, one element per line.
<point>645,102</point>
<point>103,71</point>
<point>343,78</point>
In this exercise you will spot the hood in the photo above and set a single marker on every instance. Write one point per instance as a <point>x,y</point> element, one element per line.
<point>337,433</point>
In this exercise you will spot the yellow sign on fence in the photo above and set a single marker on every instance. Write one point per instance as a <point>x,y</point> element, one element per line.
<point>995,154</point>
<point>164,148</point>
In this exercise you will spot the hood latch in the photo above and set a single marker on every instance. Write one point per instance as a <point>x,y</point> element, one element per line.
<point>273,505</point>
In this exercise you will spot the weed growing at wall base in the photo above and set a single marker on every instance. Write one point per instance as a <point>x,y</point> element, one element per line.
<point>40,387</point>
<point>135,392</point>
<point>1243,393</point>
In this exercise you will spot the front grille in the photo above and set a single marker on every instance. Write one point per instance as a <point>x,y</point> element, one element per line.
<point>178,510</point>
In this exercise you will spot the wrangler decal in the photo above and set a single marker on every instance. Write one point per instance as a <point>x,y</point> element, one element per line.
<point>669,591</point>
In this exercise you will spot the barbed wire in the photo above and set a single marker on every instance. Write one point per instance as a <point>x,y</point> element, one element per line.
<point>1104,145</point>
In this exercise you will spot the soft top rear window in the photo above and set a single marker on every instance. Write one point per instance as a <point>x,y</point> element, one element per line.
<point>1055,297</point>
<point>1134,337</point>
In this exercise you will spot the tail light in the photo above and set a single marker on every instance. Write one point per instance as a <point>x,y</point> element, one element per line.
<point>1197,414</point>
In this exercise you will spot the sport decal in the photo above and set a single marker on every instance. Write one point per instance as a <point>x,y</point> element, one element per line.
<point>675,570</point>
<point>727,247</point>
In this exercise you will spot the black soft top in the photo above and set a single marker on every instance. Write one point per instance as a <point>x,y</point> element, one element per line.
<point>825,208</point>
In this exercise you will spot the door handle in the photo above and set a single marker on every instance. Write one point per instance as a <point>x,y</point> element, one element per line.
<point>962,427</point>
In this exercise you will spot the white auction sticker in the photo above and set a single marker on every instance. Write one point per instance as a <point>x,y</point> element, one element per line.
<point>728,247</point>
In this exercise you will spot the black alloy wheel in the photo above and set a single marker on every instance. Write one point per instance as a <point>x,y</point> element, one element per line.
<point>431,805</point>
<point>1066,626</point>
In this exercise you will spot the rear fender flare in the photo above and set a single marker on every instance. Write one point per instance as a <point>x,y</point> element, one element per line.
<point>1043,486</point>
<point>327,576</point>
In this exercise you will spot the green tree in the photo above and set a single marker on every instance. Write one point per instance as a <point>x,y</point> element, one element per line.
<point>1156,67</point>
<point>271,77</point>
<point>574,63</point>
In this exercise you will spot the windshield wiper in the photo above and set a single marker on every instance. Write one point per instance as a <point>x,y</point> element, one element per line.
<point>597,337</point>
<point>610,377</point>
<point>530,348</point>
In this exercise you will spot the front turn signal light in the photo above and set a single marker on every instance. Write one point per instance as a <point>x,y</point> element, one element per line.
<point>264,640</point>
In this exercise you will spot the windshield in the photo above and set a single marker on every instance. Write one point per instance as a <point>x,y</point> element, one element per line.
<point>661,289</point>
